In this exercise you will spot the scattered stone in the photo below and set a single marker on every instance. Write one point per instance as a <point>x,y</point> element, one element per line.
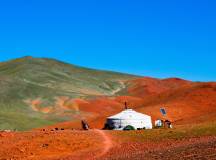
<point>45,145</point>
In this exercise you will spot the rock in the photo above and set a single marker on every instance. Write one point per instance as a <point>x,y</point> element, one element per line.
<point>45,145</point>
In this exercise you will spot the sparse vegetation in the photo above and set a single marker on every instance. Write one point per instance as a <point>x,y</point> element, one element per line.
<point>179,133</point>
<point>26,79</point>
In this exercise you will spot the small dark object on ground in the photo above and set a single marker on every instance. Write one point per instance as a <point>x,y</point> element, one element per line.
<point>85,125</point>
<point>168,124</point>
<point>129,128</point>
<point>108,127</point>
<point>139,129</point>
<point>45,145</point>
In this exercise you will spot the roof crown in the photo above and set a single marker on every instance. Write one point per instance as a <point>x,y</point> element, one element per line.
<point>129,114</point>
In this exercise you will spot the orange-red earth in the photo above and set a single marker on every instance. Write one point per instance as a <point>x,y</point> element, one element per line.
<point>191,106</point>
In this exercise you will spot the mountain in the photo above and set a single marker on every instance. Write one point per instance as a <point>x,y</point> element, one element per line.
<point>37,92</point>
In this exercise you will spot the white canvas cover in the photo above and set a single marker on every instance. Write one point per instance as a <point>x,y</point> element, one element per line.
<point>129,117</point>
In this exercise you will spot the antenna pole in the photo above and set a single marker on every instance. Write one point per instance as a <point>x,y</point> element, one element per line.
<point>126,107</point>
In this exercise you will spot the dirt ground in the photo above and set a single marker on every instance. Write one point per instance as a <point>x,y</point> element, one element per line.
<point>106,145</point>
<point>50,145</point>
<point>189,149</point>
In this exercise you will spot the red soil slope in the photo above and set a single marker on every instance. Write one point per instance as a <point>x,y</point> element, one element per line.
<point>185,102</point>
<point>150,86</point>
<point>191,104</point>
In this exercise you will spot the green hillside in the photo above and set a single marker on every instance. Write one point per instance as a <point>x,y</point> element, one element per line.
<point>26,80</point>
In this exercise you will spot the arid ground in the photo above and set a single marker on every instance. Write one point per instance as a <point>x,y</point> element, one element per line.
<point>45,104</point>
<point>182,142</point>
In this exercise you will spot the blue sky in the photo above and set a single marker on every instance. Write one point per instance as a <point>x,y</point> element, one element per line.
<point>169,38</point>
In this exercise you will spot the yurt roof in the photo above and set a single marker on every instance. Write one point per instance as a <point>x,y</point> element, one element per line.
<point>129,114</point>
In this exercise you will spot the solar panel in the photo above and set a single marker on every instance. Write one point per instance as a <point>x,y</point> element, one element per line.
<point>163,111</point>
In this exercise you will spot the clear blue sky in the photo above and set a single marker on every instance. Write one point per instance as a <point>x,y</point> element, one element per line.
<point>160,38</point>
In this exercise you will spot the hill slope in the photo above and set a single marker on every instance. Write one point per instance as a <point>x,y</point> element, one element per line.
<point>186,102</point>
<point>36,92</point>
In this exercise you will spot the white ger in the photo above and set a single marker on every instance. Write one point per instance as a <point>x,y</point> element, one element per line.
<point>127,118</point>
